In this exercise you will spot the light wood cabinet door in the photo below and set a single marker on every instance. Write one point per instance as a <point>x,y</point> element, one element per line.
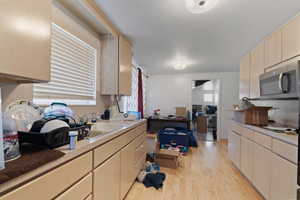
<point>234,149</point>
<point>245,76</point>
<point>109,65</point>
<point>125,67</point>
<point>25,40</point>
<point>262,170</point>
<point>256,69</point>
<point>291,39</point>
<point>283,179</point>
<point>107,179</point>
<point>127,169</point>
<point>273,49</point>
<point>247,158</point>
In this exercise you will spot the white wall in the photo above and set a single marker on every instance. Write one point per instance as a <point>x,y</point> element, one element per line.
<point>166,92</point>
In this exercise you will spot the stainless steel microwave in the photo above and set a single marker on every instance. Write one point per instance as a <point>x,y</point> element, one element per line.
<point>280,83</point>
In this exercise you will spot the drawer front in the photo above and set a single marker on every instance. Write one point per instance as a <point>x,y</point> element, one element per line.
<point>56,181</point>
<point>79,191</point>
<point>263,140</point>
<point>108,149</point>
<point>236,128</point>
<point>248,133</point>
<point>285,150</point>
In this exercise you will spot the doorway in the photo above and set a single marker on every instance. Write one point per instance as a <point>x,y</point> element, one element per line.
<point>205,104</point>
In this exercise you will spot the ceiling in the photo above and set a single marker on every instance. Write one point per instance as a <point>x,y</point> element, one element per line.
<point>164,33</point>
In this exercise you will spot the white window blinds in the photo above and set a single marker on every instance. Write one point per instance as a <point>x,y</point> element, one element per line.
<point>73,71</point>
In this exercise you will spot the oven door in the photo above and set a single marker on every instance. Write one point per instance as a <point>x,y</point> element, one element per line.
<point>280,83</point>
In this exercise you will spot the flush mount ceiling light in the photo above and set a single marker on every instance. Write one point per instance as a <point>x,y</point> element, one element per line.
<point>180,66</point>
<point>200,6</point>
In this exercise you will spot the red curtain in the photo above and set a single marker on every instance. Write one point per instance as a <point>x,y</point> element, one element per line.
<point>140,93</point>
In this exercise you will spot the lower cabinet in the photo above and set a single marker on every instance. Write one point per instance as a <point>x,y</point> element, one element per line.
<point>107,179</point>
<point>247,158</point>
<point>133,158</point>
<point>262,170</point>
<point>283,179</point>
<point>79,191</point>
<point>266,164</point>
<point>127,170</point>
<point>234,148</point>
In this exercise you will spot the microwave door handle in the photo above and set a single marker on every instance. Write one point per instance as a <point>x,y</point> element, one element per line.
<point>280,81</point>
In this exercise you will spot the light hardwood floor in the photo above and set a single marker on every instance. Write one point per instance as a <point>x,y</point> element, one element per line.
<point>207,174</point>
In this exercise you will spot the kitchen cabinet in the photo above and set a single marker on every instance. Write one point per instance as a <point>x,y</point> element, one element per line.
<point>245,76</point>
<point>25,45</point>
<point>109,65</point>
<point>256,69</point>
<point>261,172</point>
<point>131,158</point>
<point>107,179</point>
<point>247,158</point>
<point>125,66</point>
<point>234,149</point>
<point>283,179</point>
<point>273,49</point>
<point>291,39</point>
<point>71,171</point>
<point>127,171</point>
<point>79,191</point>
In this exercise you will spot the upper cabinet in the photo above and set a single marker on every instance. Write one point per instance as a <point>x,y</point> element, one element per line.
<point>125,66</point>
<point>273,49</point>
<point>110,65</point>
<point>25,41</point>
<point>256,69</point>
<point>291,38</point>
<point>116,62</point>
<point>245,76</point>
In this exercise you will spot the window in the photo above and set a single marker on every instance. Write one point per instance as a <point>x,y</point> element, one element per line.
<point>73,71</point>
<point>208,97</point>
<point>130,103</point>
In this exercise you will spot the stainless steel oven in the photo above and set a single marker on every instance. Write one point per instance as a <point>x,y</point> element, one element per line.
<point>280,83</point>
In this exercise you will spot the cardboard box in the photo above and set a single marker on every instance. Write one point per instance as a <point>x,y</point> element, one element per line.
<point>180,112</point>
<point>167,158</point>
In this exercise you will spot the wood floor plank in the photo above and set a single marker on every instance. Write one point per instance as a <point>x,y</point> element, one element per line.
<point>206,174</point>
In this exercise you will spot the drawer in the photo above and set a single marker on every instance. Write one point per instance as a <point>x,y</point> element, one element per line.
<point>106,150</point>
<point>79,191</point>
<point>236,128</point>
<point>54,182</point>
<point>285,150</point>
<point>248,133</point>
<point>263,140</point>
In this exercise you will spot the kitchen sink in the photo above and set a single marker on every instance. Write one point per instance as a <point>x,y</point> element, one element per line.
<point>104,127</point>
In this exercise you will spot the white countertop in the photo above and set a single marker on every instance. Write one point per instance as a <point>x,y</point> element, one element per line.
<point>290,139</point>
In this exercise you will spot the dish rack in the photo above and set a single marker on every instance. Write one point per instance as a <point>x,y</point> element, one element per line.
<point>54,139</point>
